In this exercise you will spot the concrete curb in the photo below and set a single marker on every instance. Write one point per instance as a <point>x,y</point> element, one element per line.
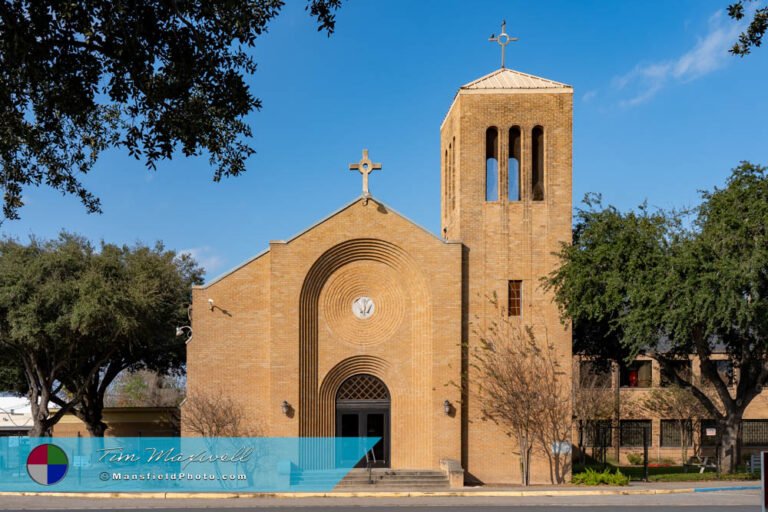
<point>379,494</point>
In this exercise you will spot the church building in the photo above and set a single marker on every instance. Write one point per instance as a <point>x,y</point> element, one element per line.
<point>359,325</point>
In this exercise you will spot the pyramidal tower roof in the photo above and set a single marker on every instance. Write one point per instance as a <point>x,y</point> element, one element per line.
<point>508,79</point>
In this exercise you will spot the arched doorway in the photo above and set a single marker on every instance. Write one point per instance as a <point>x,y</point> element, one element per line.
<point>362,410</point>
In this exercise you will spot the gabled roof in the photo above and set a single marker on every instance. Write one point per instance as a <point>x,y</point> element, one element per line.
<point>321,221</point>
<point>354,202</point>
<point>509,79</point>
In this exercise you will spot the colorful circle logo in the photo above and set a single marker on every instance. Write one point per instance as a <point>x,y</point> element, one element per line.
<point>47,464</point>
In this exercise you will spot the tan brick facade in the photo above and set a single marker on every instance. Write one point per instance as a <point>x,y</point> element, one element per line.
<point>282,329</point>
<point>632,396</point>
<point>507,239</point>
<point>281,326</point>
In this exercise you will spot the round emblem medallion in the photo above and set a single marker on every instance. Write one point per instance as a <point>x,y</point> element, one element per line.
<point>363,307</point>
<point>47,464</point>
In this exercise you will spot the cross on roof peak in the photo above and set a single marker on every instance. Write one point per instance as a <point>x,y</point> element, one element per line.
<point>503,39</point>
<point>365,167</point>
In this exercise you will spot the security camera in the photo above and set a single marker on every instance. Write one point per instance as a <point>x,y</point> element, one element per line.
<point>210,304</point>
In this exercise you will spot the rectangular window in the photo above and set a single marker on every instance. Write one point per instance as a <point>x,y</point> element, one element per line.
<point>680,368</point>
<point>515,298</point>
<point>671,436</point>
<point>593,375</point>
<point>631,432</point>
<point>754,432</point>
<point>636,375</point>
<point>597,433</point>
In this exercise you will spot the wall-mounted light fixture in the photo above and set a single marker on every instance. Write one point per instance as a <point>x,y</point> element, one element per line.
<point>447,408</point>
<point>184,329</point>
<point>210,304</point>
<point>285,407</point>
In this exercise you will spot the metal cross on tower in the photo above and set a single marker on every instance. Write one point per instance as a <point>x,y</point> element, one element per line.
<point>365,167</point>
<point>503,39</point>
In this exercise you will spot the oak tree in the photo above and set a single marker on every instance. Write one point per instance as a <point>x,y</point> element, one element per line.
<point>669,286</point>
<point>74,317</point>
<point>156,78</point>
<point>753,35</point>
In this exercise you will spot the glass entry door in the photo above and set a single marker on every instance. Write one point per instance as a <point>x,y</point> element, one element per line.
<point>362,410</point>
<point>354,422</point>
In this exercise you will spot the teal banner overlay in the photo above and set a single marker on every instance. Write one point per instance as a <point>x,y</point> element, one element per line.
<point>172,464</point>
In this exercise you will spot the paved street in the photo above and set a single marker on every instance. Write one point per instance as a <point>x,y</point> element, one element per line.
<point>735,501</point>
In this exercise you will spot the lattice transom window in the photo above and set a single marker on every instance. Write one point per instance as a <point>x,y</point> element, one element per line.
<point>362,387</point>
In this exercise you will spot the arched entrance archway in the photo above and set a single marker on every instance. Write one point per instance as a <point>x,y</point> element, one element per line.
<point>362,410</point>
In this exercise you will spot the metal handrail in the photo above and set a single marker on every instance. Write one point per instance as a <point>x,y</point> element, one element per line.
<point>369,464</point>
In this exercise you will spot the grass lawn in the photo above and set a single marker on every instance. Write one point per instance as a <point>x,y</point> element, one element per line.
<point>673,474</point>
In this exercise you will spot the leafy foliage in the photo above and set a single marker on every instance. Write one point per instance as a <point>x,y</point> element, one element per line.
<point>11,375</point>
<point>603,274</point>
<point>652,282</point>
<point>74,318</point>
<point>153,77</point>
<point>144,388</point>
<point>606,477</point>
<point>753,36</point>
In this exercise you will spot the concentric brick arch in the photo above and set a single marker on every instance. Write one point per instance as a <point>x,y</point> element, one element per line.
<point>347,368</point>
<point>316,403</point>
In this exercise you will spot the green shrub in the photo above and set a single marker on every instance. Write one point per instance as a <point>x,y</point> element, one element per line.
<point>702,477</point>
<point>592,477</point>
<point>636,459</point>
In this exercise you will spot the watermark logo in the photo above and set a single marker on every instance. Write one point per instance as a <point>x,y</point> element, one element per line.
<point>47,464</point>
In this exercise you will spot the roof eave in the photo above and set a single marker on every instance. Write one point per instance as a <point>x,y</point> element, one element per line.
<point>311,227</point>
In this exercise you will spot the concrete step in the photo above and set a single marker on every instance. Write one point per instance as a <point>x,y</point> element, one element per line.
<point>380,478</point>
<point>395,478</point>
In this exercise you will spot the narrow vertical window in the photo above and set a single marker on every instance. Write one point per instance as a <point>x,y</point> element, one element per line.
<point>492,164</point>
<point>453,174</point>
<point>450,177</point>
<point>515,298</point>
<point>446,181</point>
<point>537,167</point>
<point>515,148</point>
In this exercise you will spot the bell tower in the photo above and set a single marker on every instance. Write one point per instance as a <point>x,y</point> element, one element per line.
<point>506,195</point>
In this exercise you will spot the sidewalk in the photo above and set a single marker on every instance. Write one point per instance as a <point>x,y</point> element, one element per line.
<point>635,488</point>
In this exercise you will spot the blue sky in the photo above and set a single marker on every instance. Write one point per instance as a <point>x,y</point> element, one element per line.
<point>661,110</point>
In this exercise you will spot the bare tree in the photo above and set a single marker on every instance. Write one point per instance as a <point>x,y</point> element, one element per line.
<point>594,401</point>
<point>592,397</point>
<point>216,414</point>
<point>521,387</point>
<point>679,404</point>
<point>555,409</point>
<point>221,420</point>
